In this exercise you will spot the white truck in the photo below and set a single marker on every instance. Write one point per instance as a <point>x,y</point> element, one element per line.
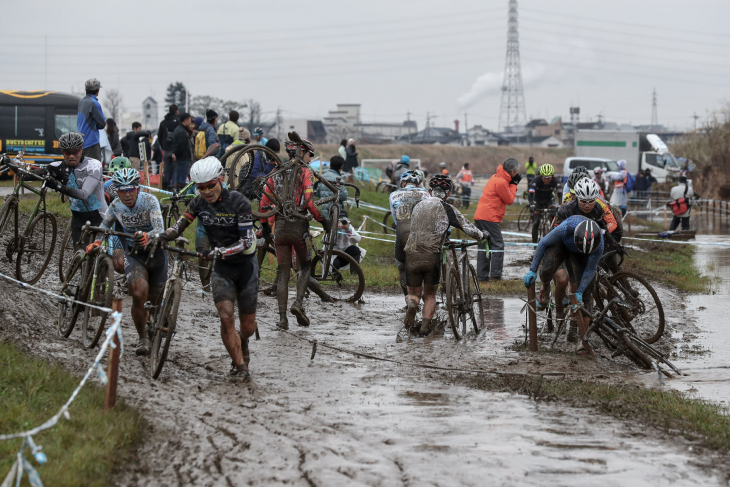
<point>640,150</point>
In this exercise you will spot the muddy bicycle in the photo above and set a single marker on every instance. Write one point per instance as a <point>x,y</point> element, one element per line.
<point>89,279</point>
<point>33,244</point>
<point>620,340</point>
<point>460,287</point>
<point>545,216</point>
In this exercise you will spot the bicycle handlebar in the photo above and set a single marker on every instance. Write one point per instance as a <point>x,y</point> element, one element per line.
<point>452,244</point>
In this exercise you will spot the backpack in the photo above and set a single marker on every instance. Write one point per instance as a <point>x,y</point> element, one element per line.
<point>630,182</point>
<point>681,205</point>
<point>201,145</point>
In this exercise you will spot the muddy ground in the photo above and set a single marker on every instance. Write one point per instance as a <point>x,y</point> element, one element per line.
<point>344,420</point>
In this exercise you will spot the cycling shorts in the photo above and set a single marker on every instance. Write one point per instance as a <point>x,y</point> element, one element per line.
<point>238,283</point>
<point>559,257</point>
<point>154,271</point>
<point>423,269</point>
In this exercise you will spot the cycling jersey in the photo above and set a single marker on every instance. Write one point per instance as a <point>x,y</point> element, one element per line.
<point>542,194</point>
<point>84,187</point>
<point>111,189</point>
<point>430,220</point>
<point>144,216</point>
<point>403,200</point>
<point>563,236</point>
<point>601,214</point>
<point>228,223</point>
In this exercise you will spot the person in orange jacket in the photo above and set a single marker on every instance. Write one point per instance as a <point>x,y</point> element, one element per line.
<point>499,192</point>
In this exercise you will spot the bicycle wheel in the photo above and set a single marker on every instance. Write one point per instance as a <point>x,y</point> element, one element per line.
<point>267,269</point>
<point>523,220</point>
<point>66,251</point>
<point>7,234</point>
<point>387,222</point>
<point>73,287</point>
<point>36,248</point>
<point>454,302</point>
<point>166,328</point>
<point>473,297</point>
<point>645,315</point>
<point>5,211</point>
<point>101,293</point>
<point>340,285</point>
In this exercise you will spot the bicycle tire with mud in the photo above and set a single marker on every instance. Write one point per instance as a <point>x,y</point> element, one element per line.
<point>27,242</point>
<point>454,298</point>
<point>651,334</point>
<point>66,247</point>
<point>103,290</point>
<point>168,320</point>
<point>357,290</point>
<point>387,221</point>
<point>524,219</point>
<point>73,287</point>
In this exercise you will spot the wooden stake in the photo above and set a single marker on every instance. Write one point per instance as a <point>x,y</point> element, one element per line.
<point>665,218</point>
<point>629,220</point>
<point>112,371</point>
<point>531,305</point>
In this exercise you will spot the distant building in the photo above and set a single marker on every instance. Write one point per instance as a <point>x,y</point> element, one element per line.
<point>340,123</point>
<point>478,135</point>
<point>149,114</point>
<point>550,141</point>
<point>128,118</point>
<point>383,133</point>
<point>554,128</point>
<point>313,130</point>
<point>435,135</point>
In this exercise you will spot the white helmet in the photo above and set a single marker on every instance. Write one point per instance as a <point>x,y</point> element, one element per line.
<point>206,170</point>
<point>586,189</point>
<point>442,165</point>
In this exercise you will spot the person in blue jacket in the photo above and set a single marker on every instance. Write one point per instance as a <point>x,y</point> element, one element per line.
<point>91,119</point>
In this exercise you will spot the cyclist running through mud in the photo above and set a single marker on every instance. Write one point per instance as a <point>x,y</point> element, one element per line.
<point>402,202</point>
<point>139,214</point>
<point>80,178</point>
<point>293,236</point>
<point>577,243</point>
<point>543,194</point>
<point>226,216</point>
<point>430,222</point>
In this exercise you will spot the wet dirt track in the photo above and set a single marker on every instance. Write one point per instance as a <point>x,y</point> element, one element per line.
<point>341,420</point>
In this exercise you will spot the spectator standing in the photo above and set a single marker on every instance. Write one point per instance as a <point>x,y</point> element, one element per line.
<point>465,179</point>
<point>182,152</point>
<point>342,149</point>
<point>640,185</point>
<point>620,196</point>
<point>112,133</point>
<point>331,175</point>
<point>682,190</point>
<point>258,136</point>
<point>164,136</point>
<point>444,170</point>
<point>133,139</point>
<point>351,159</point>
<point>156,158</point>
<point>530,170</point>
<point>650,180</point>
<point>228,132</point>
<point>90,119</point>
<point>499,192</point>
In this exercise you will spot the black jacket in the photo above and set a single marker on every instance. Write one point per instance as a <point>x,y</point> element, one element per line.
<point>167,127</point>
<point>181,144</point>
<point>114,142</point>
<point>130,143</point>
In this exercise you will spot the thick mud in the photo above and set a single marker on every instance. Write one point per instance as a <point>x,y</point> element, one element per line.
<point>344,420</point>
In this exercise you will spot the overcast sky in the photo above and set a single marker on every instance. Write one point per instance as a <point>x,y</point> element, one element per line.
<point>440,57</point>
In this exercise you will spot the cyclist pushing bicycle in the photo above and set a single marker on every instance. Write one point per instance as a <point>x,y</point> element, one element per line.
<point>430,221</point>
<point>226,216</point>
<point>139,214</point>
<point>543,194</point>
<point>577,243</point>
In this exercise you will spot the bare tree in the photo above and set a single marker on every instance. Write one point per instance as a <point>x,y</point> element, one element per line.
<point>113,104</point>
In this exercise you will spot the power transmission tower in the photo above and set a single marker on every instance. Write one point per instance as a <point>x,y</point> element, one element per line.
<point>654,120</point>
<point>512,112</point>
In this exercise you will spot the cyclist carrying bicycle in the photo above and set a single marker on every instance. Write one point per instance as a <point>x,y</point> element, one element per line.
<point>578,243</point>
<point>80,178</point>
<point>139,214</point>
<point>430,222</point>
<point>402,202</point>
<point>293,236</point>
<point>226,216</point>
<point>542,195</point>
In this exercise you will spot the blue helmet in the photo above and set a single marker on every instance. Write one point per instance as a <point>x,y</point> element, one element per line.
<point>126,178</point>
<point>405,160</point>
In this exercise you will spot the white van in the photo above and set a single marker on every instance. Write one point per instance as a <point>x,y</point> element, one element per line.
<point>590,163</point>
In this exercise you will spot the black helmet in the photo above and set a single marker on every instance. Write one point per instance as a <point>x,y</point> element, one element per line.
<point>441,182</point>
<point>587,236</point>
<point>71,141</point>
<point>578,173</point>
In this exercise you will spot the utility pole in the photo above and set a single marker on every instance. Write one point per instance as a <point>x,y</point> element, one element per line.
<point>278,123</point>
<point>408,118</point>
<point>654,119</point>
<point>695,117</point>
<point>512,109</point>
<point>428,122</point>
<point>466,126</point>
<point>45,62</point>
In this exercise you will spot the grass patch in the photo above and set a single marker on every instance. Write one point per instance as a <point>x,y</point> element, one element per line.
<point>505,287</point>
<point>668,263</point>
<point>82,451</point>
<point>666,410</point>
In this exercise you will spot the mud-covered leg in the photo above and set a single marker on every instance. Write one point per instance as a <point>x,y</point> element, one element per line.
<point>297,308</point>
<point>282,293</point>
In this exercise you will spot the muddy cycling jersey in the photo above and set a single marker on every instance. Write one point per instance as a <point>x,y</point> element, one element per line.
<point>601,214</point>
<point>111,189</point>
<point>85,184</point>
<point>403,200</point>
<point>542,194</point>
<point>228,223</point>
<point>144,216</point>
<point>564,235</point>
<point>430,220</point>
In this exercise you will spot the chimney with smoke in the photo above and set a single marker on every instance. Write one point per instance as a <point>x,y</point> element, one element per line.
<point>456,125</point>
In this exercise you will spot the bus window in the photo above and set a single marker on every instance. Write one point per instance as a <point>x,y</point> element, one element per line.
<point>64,124</point>
<point>23,122</point>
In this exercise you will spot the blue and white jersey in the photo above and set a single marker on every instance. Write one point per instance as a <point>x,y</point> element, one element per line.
<point>563,235</point>
<point>144,216</point>
<point>85,186</point>
<point>403,200</point>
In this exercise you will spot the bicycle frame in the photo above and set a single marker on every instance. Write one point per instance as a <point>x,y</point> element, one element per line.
<point>16,193</point>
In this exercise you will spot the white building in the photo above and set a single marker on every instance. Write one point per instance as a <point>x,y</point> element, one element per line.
<point>149,114</point>
<point>128,118</point>
<point>380,133</point>
<point>340,123</point>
